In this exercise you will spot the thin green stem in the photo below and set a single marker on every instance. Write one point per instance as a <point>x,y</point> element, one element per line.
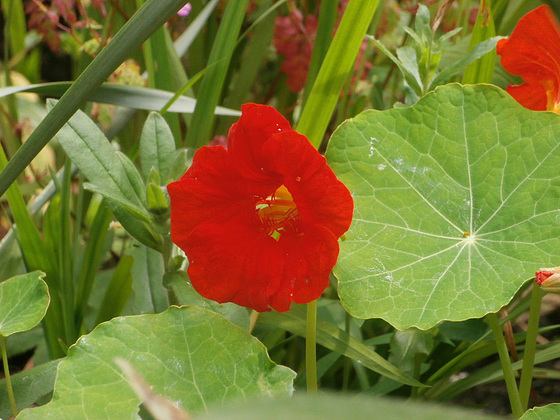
<point>505,361</point>
<point>7,374</point>
<point>530,346</point>
<point>311,348</point>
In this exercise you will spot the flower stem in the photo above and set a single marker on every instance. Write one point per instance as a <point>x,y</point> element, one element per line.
<point>7,374</point>
<point>509,375</point>
<point>530,346</point>
<point>311,348</point>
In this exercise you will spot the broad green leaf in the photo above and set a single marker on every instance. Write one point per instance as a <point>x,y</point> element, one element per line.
<point>121,95</point>
<point>335,339</point>
<point>456,204</point>
<point>340,407</point>
<point>24,300</point>
<point>28,386</point>
<point>157,147</point>
<point>189,355</point>
<point>548,412</point>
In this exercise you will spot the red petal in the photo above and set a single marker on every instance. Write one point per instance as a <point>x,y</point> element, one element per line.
<point>310,259</point>
<point>211,190</point>
<point>245,140</point>
<point>233,263</point>
<point>533,50</point>
<point>320,197</point>
<point>541,276</point>
<point>530,95</point>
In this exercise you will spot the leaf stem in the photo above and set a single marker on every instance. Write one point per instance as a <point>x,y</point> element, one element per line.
<point>505,361</point>
<point>530,346</point>
<point>7,374</point>
<point>311,348</point>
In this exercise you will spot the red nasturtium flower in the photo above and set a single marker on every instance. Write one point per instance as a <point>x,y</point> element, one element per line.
<point>533,52</point>
<point>549,279</point>
<point>260,222</point>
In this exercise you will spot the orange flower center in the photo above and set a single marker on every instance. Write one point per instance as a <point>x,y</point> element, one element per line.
<point>278,213</point>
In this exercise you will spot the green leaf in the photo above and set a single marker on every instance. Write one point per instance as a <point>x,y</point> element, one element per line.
<point>335,339</point>
<point>28,386</point>
<point>189,355</point>
<point>456,204</point>
<point>121,95</point>
<point>340,407</point>
<point>157,147</point>
<point>477,52</point>
<point>133,176</point>
<point>147,280</point>
<point>548,412</point>
<point>24,300</point>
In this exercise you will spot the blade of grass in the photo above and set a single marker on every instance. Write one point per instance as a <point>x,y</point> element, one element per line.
<point>211,87</point>
<point>146,20</point>
<point>335,69</point>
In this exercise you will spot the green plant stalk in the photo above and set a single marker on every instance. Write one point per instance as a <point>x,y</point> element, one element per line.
<point>335,69</point>
<point>509,375</point>
<point>530,346</point>
<point>311,348</point>
<point>146,20</point>
<point>7,374</point>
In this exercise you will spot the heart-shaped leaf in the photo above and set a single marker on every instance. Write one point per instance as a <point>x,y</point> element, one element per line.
<point>24,301</point>
<point>190,355</point>
<point>457,204</point>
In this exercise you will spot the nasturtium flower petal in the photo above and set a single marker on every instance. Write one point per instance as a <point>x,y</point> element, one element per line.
<point>533,52</point>
<point>260,222</point>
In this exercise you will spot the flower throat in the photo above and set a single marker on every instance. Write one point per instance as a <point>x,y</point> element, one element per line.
<point>278,213</point>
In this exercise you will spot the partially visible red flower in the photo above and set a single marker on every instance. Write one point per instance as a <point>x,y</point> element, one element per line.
<point>533,52</point>
<point>260,222</point>
<point>549,279</point>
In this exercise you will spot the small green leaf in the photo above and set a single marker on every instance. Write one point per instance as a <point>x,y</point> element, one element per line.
<point>157,147</point>
<point>456,205</point>
<point>24,300</point>
<point>189,355</point>
<point>548,412</point>
<point>157,203</point>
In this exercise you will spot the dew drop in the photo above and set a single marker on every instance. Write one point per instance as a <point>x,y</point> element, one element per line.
<point>381,167</point>
<point>298,178</point>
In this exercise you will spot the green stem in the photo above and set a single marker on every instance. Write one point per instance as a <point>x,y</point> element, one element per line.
<point>7,374</point>
<point>509,375</point>
<point>311,348</point>
<point>530,346</point>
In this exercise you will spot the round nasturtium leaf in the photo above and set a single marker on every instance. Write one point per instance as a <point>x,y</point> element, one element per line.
<point>548,412</point>
<point>188,355</point>
<point>456,204</point>
<point>24,300</point>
